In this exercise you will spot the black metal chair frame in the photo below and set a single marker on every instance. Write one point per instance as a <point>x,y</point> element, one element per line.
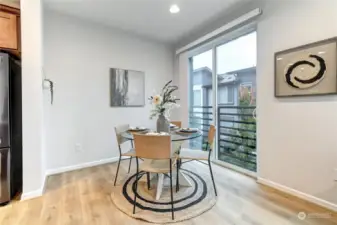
<point>179,164</point>
<point>120,159</point>
<point>148,186</point>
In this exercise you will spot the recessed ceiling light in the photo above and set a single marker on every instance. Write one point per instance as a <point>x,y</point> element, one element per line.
<point>174,9</point>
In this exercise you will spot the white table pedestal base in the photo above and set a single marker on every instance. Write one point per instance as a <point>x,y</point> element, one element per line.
<point>164,181</point>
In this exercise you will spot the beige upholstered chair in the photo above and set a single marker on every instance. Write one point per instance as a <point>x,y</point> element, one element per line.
<point>199,155</point>
<point>177,123</point>
<point>156,152</point>
<point>177,144</point>
<point>120,140</point>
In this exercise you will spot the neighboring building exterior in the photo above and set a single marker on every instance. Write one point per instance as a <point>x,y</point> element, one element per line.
<point>228,86</point>
<point>228,95</point>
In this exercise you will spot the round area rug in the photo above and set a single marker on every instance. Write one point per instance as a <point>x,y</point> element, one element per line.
<point>189,202</point>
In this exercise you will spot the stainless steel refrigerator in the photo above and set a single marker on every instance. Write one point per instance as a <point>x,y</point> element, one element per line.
<point>10,128</point>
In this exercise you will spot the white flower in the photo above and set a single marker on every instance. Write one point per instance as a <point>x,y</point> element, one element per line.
<point>157,99</point>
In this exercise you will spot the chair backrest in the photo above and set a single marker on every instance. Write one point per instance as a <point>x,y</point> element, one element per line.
<point>211,135</point>
<point>119,130</point>
<point>177,123</point>
<point>152,146</point>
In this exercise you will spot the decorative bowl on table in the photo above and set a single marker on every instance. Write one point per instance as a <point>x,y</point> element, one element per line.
<point>188,130</point>
<point>137,129</point>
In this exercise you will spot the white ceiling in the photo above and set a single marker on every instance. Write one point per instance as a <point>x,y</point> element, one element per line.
<point>148,18</point>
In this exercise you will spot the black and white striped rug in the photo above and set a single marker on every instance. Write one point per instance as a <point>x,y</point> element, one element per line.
<point>189,202</point>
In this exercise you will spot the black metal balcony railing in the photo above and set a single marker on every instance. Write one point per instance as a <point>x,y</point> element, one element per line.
<point>236,133</point>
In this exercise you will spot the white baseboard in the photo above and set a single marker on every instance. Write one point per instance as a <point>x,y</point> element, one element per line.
<point>32,194</point>
<point>235,168</point>
<point>298,194</point>
<point>36,193</point>
<point>39,192</point>
<point>44,182</point>
<point>81,166</point>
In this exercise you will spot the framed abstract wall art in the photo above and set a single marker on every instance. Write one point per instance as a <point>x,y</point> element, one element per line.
<point>307,70</point>
<point>127,88</point>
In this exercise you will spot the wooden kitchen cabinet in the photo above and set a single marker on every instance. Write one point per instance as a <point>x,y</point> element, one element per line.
<point>8,31</point>
<point>10,34</point>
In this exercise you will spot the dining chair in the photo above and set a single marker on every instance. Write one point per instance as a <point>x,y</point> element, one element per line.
<point>198,155</point>
<point>155,150</point>
<point>177,123</point>
<point>177,144</point>
<point>121,140</point>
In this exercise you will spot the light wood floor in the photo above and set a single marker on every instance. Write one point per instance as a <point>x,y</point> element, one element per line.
<point>82,198</point>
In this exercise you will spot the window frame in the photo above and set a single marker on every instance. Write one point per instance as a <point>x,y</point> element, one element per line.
<point>201,97</point>
<point>247,84</point>
<point>229,102</point>
<point>223,39</point>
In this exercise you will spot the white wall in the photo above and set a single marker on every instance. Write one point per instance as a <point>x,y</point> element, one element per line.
<point>78,56</point>
<point>32,98</point>
<point>297,144</point>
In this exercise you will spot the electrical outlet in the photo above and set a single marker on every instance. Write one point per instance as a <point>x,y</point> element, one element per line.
<point>78,147</point>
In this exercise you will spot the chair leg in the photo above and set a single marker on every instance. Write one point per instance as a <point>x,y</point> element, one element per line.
<point>148,181</point>
<point>119,162</point>
<point>130,164</point>
<point>210,169</point>
<point>177,181</point>
<point>171,189</point>
<point>135,199</point>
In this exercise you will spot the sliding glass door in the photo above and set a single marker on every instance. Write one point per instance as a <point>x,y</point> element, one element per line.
<point>236,87</point>
<point>222,84</point>
<point>201,104</point>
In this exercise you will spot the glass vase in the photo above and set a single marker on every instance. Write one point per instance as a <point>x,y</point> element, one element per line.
<point>163,125</point>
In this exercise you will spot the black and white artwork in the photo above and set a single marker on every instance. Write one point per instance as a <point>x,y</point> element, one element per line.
<point>127,88</point>
<point>307,70</point>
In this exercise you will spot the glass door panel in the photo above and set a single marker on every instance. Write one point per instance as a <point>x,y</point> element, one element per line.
<point>201,95</point>
<point>236,101</point>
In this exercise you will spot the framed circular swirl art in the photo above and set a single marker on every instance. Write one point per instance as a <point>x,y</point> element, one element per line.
<point>307,70</point>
